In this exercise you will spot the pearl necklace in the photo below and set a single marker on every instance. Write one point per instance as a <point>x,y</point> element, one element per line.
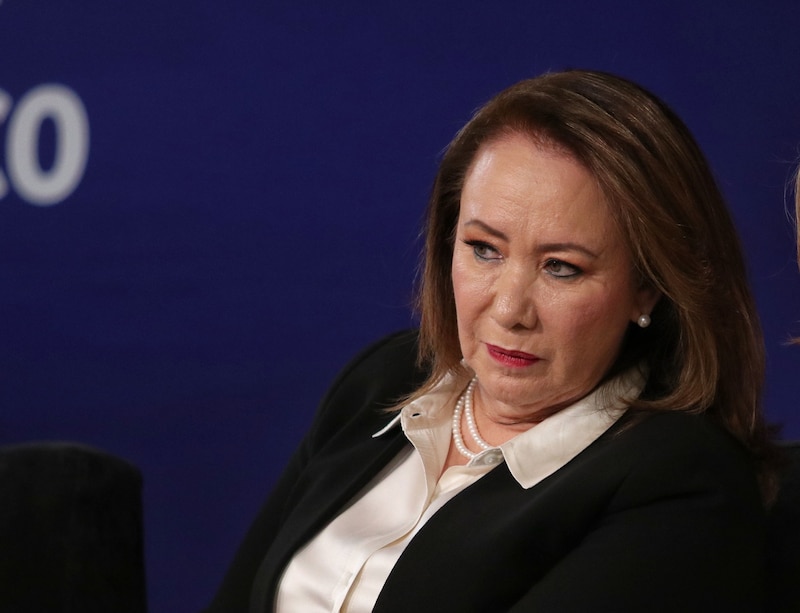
<point>464,405</point>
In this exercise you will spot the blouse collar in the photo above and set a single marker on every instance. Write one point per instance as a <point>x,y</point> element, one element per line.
<point>540,451</point>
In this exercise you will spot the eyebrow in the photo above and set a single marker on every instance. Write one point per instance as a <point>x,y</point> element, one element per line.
<point>486,228</point>
<point>563,246</point>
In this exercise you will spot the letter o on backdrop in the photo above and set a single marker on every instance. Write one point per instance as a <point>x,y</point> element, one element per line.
<point>64,108</point>
<point>5,107</point>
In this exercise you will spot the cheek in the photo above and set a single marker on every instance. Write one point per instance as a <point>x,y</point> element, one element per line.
<point>467,288</point>
<point>597,325</point>
<point>471,300</point>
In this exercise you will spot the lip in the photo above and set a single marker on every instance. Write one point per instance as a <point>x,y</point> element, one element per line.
<point>511,357</point>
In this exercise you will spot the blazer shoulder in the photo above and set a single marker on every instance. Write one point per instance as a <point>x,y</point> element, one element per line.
<point>677,433</point>
<point>689,451</point>
<point>377,378</point>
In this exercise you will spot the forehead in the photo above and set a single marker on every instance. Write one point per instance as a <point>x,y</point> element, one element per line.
<point>525,176</point>
<point>537,196</point>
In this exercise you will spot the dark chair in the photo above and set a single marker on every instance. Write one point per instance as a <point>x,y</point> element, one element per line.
<point>784,540</point>
<point>70,531</point>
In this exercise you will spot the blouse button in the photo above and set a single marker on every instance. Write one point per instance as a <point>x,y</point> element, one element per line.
<point>490,458</point>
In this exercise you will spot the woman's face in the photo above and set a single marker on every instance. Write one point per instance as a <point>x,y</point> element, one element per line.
<point>544,286</point>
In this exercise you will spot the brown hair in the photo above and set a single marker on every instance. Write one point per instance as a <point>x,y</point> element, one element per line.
<point>704,350</point>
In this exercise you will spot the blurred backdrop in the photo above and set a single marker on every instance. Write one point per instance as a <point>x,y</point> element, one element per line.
<point>207,207</point>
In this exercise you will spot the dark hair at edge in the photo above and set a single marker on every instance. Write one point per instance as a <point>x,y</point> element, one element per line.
<point>704,349</point>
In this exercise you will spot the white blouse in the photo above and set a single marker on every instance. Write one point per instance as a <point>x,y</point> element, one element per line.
<point>344,567</point>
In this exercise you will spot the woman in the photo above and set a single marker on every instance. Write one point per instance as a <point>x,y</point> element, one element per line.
<point>576,427</point>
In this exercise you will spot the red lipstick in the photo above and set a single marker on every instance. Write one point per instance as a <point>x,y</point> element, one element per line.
<point>511,357</point>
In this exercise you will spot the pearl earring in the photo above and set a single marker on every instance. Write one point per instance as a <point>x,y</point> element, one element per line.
<point>644,320</point>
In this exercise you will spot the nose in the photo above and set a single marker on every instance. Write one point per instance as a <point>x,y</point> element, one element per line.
<point>514,304</point>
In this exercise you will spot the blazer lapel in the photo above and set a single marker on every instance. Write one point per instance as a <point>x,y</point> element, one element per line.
<point>328,484</point>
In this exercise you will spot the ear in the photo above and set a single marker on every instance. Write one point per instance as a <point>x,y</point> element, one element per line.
<point>645,301</point>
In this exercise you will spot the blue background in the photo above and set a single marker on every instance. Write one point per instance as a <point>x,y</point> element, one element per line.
<point>249,212</point>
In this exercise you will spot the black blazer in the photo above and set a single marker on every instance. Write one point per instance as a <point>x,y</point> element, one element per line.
<point>663,514</point>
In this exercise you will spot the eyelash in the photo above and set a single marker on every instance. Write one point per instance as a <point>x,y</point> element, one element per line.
<point>478,246</point>
<point>575,271</point>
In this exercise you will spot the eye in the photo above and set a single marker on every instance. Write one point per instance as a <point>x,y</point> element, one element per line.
<point>560,269</point>
<point>483,251</point>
